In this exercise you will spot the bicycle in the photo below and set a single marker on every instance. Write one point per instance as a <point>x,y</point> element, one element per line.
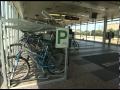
<point>43,58</point>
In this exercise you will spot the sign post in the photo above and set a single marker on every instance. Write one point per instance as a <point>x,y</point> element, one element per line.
<point>62,41</point>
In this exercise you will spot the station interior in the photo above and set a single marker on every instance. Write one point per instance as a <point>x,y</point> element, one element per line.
<point>90,59</point>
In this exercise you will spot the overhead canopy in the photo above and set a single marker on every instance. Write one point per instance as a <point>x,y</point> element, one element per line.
<point>81,9</point>
<point>28,26</point>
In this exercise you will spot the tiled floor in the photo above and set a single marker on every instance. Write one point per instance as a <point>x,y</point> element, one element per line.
<point>91,67</point>
<point>87,74</point>
<point>84,73</point>
<point>81,78</point>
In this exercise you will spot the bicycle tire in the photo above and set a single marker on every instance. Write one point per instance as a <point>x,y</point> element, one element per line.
<point>16,69</point>
<point>20,46</point>
<point>59,66</point>
<point>14,45</point>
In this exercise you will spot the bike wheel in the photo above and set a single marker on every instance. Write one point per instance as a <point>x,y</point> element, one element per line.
<point>56,64</point>
<point>15,47</point>
<point>18,46</point>
<point>18,71</point>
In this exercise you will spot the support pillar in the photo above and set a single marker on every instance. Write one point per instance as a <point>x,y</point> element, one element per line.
<point>118,34</point>
<point>75,32</point>
<point>66,63</point>
<point>2,55</point>
<point>86,30</point>
<point>80,30</point>
<point>95,30</point>
<point>104,31</point>
<point>4,72</point>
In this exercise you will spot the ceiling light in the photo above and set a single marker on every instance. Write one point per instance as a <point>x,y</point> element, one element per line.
<point>82,15</point>
<point>102,9</point>
<point>85,15</point>
<point>54,14</point>
<point>46,18</point>
<point>58,19</point>
<point>63,15</point>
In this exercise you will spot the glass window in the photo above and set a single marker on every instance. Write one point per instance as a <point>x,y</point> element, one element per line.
<point>99,31</point>
<point>83,31</point>
<point>90,31</point>
<point>77,33</point>
<point>113,26</point>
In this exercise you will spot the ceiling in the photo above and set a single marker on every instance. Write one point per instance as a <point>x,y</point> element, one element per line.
<point>81,9</point>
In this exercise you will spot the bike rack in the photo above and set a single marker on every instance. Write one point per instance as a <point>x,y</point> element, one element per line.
<point>25,25</point>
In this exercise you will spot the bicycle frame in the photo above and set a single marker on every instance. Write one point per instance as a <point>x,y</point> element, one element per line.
<point>39,59</point>
<point>16,63</point>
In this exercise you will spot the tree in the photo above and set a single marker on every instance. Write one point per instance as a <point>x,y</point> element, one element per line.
<point>92,32</point>
<point>98,33</point>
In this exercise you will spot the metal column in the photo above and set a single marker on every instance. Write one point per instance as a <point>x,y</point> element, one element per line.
<point>2,56</point>
<point>86,30</point>
<point>4,71</point>
<point>6,43</point>
<point>75,31</point>
<point>118,34</point>
<point>104,31</point>
<point>80,30</point>
<point>66,63</point>
<point>95,30</point>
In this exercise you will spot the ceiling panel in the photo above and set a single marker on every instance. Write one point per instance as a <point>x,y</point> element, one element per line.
<point>82,9</point>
